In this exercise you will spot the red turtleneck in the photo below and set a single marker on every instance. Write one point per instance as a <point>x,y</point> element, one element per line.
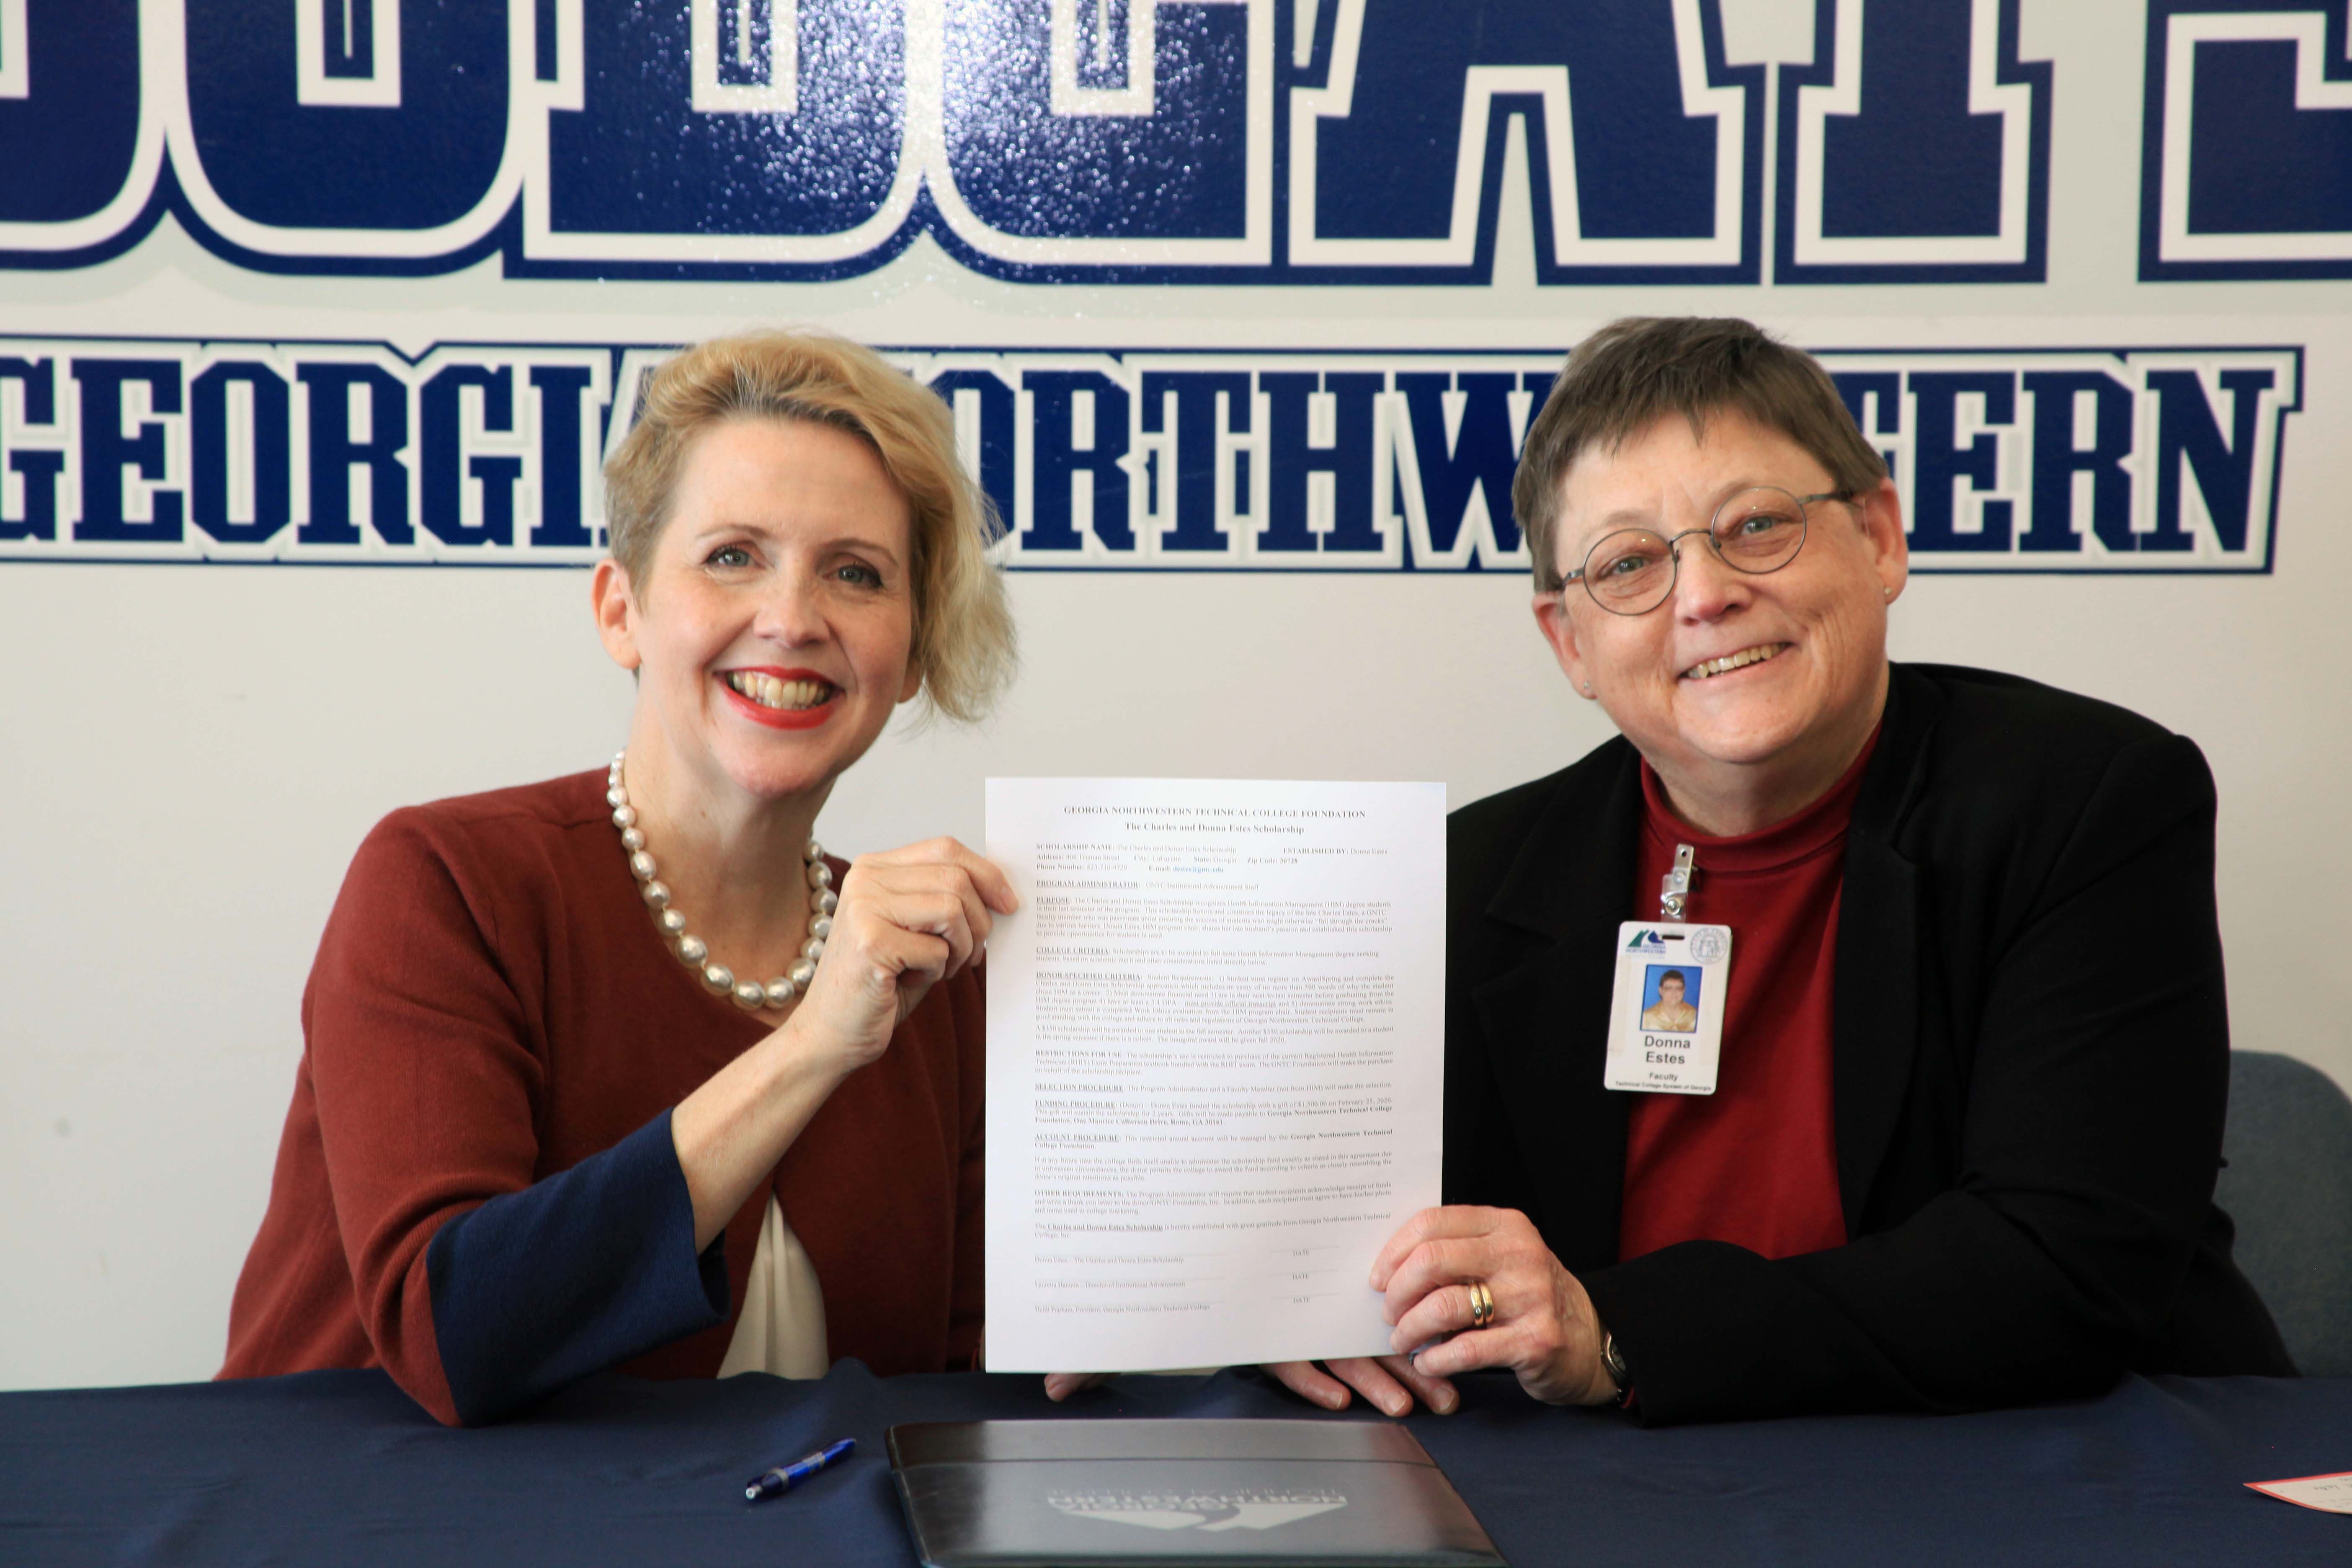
<point>1756,1161</point>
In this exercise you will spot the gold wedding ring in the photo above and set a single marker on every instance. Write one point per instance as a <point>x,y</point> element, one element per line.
<point>1482,1304</point>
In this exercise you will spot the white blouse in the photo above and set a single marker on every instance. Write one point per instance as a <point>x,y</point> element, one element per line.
<point>782,1329</point>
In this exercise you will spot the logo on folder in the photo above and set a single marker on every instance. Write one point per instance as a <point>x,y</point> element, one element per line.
<point>1206,1510</point>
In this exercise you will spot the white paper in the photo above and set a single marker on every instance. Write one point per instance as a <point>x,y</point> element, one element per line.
<point>1215,1066</point>
<point>2329,1494</point>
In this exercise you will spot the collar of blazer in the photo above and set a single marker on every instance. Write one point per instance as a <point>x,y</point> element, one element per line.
<point>1570,883</point>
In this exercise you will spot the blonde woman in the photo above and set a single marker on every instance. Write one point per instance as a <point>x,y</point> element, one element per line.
<point>620,1070</point>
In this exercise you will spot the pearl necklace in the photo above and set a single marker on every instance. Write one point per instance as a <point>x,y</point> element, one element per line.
<point>691,950</point>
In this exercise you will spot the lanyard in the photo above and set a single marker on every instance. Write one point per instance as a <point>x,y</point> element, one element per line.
<point>1674,887</point>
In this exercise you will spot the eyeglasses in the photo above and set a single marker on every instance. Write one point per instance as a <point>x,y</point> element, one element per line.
<point>1632,571</point>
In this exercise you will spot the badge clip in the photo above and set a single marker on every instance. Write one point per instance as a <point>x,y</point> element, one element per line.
<point>1674,887</point>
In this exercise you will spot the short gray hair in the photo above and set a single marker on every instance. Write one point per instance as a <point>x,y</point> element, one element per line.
<point>1634,371</point>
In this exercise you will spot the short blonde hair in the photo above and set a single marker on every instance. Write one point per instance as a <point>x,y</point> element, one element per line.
<point>963,640</point>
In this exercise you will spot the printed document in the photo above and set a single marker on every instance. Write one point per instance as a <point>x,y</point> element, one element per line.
<point>1215,1066</point>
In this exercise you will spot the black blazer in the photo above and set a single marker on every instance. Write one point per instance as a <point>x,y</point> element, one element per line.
<point>2031,1064</point>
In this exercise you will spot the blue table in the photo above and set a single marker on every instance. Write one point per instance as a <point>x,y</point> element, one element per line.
<point>339,1467</point>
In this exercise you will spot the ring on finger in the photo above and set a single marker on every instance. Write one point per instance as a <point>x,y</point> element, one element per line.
<point>1482,1304</point>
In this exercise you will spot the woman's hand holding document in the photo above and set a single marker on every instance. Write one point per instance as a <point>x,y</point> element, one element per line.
<point>1216,1067</point>
<point>1519,1309</point>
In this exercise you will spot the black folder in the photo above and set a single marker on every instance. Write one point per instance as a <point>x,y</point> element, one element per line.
<point>1087,1494</point>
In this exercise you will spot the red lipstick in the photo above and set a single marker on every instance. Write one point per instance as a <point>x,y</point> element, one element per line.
<point>781,718</point>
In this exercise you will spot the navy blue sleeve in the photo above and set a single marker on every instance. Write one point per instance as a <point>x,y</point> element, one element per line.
<point>571,1274</point>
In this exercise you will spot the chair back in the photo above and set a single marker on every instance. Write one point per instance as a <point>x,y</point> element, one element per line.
<point>2288,1187</point>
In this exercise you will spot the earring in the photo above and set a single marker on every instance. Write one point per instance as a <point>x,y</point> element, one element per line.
<point>1587,689</point>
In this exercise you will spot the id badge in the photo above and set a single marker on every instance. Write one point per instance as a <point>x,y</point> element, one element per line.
<point>1665,1016</point>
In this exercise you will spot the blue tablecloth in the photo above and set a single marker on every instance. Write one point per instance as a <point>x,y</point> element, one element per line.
<point>339,1467</point>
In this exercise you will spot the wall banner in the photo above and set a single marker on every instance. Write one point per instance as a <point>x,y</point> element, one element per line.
<point>2010,459</point>
<point>1283,142</point>
<point>1268,145</point>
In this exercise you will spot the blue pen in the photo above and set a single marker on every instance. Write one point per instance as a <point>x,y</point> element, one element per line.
<point>783,1477</point>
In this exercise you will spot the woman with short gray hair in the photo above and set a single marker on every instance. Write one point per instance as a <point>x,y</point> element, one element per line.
<point>1937,1125</point>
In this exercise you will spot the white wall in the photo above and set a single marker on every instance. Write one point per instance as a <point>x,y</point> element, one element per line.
<point>189,755</point>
